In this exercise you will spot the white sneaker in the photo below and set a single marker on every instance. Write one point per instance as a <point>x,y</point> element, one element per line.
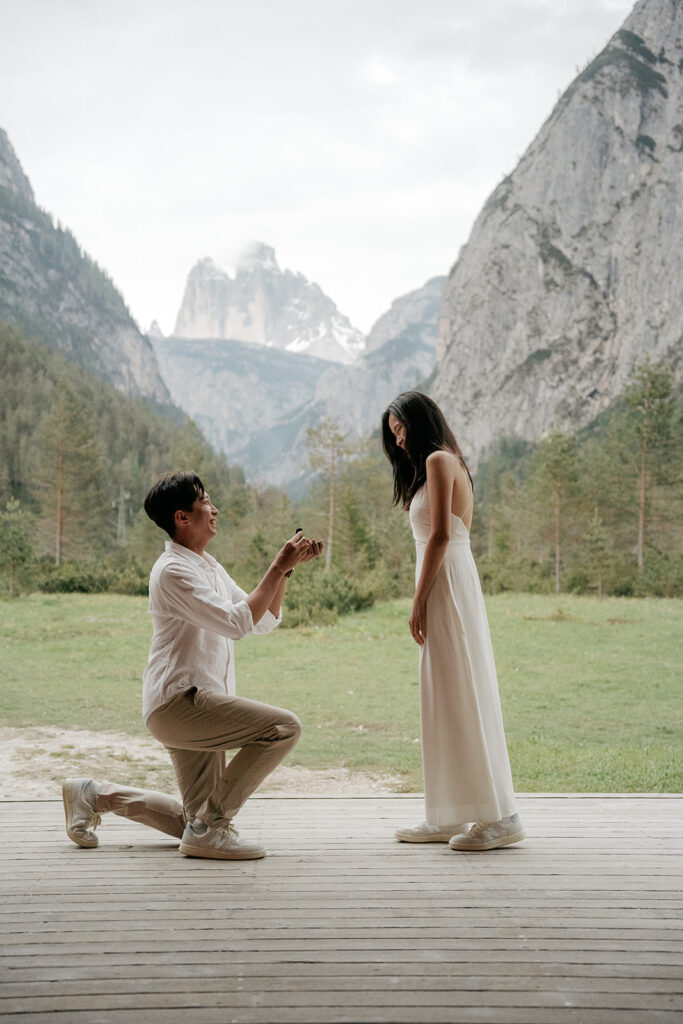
<point>81,817</point>
<point>484,836</point>
<point>218,844</point>
<point>425,833</point>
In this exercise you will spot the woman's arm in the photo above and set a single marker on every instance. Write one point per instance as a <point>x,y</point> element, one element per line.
<point>441,469</point>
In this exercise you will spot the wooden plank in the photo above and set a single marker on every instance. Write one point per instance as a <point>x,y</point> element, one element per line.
<point>384,998</point>
<point>597,974</point>
<point>343,920</point>
<point>407,983</point>
<point>198,900</point>
<point>356,951</point>
<point>425,937</point>
<point>360,1014</point>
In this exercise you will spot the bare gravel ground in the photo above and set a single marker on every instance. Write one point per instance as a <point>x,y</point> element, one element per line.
<point>34,761</point>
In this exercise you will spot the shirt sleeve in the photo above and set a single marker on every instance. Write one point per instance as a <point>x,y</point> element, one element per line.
<point>268,622</point>
<point>189,596</point>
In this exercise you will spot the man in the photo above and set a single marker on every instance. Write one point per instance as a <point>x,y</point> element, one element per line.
<point>188,695</point>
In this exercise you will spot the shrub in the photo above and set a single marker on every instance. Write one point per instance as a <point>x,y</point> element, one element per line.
<point>131,580</point>
<point>499,575</point>
<point>661,576</point>
<point>318,597</point>
<point>74,577</point>
<point>118,574</point>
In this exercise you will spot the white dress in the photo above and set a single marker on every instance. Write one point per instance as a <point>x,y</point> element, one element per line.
<point>464,755</point>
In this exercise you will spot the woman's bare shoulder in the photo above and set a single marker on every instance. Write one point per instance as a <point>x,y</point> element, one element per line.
<point>442,460</point>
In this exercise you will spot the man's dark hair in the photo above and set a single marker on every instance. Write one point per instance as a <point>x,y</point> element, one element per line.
<point>172,492</point>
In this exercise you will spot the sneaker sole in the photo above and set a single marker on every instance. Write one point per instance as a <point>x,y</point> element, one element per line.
<point>201,851</point>
<point>438,837</point>
<point>493,845</point>
<point>86,844</point>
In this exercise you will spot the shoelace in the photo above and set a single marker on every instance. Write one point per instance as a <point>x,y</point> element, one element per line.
<point>85,824</point>
<point>478,827</point>
<point>230,829</point>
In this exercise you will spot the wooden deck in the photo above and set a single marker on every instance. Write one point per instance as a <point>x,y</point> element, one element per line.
<point>581,923</point>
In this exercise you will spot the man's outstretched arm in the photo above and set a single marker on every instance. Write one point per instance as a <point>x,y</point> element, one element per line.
<point>186,593</point>
<point>268,594</point>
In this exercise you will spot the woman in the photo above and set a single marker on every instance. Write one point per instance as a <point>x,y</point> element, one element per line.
<point>464,756</point>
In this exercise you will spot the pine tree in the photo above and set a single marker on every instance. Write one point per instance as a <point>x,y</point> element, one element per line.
<point>649,402</point>
<point>597,551</point>
<point>327,449</point>
<point>555,471</point>
<point>17,549</point>
<point>69,473</point>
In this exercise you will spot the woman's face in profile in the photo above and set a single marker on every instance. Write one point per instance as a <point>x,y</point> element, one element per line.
<point>398,430</point>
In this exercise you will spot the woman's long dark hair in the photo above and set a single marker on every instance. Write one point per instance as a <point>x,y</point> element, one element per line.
<point>426,432</point>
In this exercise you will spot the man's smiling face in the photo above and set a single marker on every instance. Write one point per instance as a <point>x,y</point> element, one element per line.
<point>204,514</point>
<point>196,528</point>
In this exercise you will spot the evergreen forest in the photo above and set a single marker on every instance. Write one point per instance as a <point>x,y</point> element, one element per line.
<point>597,512</point>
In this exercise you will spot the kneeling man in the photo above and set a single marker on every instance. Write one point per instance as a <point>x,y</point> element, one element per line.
<point>188,695</point>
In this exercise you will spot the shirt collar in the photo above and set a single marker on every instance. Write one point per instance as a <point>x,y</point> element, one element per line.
<point>192,556</point>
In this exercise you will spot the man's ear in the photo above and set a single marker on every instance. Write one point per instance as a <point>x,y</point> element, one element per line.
<point>180,517</point>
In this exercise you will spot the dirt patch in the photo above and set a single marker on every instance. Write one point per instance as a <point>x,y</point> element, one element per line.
<point>34,761</point>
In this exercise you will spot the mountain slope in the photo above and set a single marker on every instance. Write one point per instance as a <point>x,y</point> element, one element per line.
<point>51,290</point>
<point>113,446</point>
<point>420,306</point>
<point>234,390</point>
<point>353,397</point>
<point>572,272</point>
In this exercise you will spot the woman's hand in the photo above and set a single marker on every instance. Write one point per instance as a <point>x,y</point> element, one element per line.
<point>297,549</point>
<point>418,622</point>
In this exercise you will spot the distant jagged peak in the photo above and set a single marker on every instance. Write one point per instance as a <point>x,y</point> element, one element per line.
<point>207,269</point>
<point>264,305</point>
<point>12,176</point>
<point>254,256</point>
<point>155,330</point>
<point>257,256</point>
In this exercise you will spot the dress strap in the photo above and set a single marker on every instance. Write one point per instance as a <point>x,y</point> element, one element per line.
<point>469,503</point>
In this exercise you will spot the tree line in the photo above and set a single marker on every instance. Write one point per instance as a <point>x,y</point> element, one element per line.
<point>595,512</point>
<point>599,511</point>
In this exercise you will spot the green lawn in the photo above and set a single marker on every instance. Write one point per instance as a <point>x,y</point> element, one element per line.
<point>591,690</point>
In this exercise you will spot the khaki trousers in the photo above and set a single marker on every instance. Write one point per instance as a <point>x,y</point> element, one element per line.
<point>197,727</point>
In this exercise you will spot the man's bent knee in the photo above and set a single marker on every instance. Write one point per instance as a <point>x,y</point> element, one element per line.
<point>289,728</point>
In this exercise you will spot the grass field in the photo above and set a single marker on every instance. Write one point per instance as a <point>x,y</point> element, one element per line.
<point>591,690</point>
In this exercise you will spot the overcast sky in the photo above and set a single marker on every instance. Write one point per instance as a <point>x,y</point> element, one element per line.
<point>359,138</point>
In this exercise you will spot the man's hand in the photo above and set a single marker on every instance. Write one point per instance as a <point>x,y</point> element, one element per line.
<point>297,549</point>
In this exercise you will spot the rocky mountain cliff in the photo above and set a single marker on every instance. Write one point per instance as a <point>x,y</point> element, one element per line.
<point>400,353</point>
<point>572,273</point>
<point>255,404</point>
<point>53,291</point>
<point>417,308</point>
<point>264,305</point>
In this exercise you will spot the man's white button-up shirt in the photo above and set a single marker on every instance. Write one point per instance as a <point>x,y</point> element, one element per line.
<point>198,611</point>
